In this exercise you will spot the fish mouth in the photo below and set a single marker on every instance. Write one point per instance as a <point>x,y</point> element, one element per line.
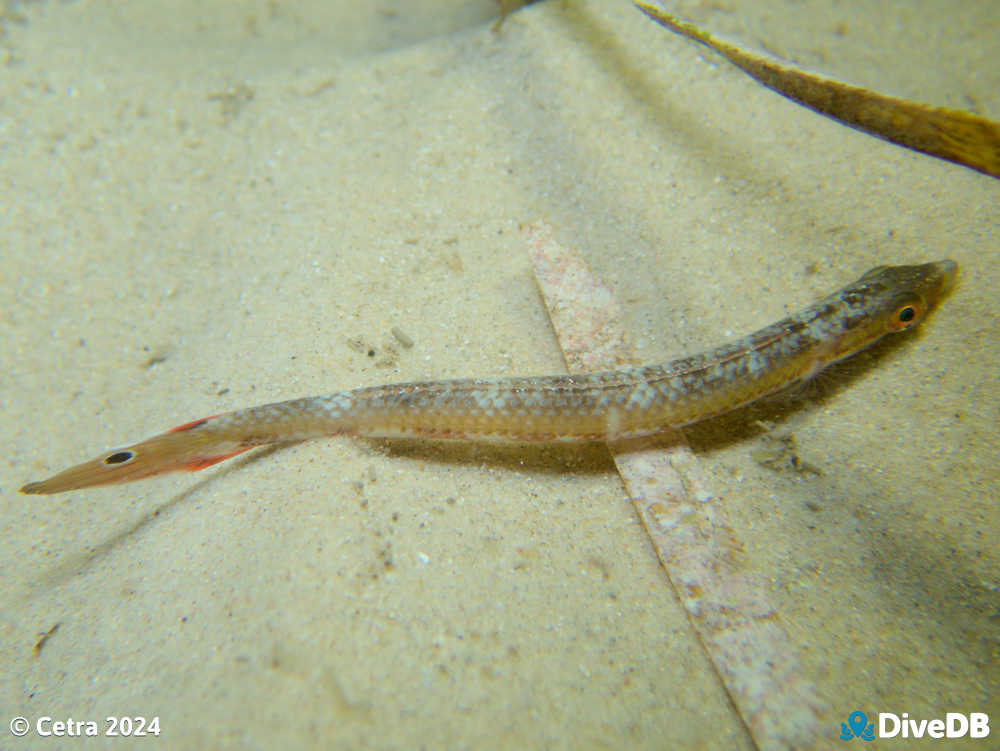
<point>948,270</point>
<point>942,277</point>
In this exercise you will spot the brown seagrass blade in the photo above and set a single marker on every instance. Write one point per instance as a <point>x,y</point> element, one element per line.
<point>960,137</point>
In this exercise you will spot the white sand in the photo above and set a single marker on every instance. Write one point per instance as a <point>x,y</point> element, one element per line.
<point>340,594</point>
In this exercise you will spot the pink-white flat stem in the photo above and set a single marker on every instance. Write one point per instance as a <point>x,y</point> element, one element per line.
<point>689,526</point>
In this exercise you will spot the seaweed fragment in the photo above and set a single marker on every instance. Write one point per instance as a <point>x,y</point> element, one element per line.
<point>954,135</point>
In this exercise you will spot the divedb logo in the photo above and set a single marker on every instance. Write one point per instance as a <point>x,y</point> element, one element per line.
<point>954,725</point>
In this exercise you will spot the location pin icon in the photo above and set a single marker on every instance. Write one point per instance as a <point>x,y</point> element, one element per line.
<point>858,723</point>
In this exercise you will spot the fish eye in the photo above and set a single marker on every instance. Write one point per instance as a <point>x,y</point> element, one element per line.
<point>906,315</point>
<point>120,457</point>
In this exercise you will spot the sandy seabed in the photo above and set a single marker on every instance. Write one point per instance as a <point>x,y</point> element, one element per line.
<point>207,206</point>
